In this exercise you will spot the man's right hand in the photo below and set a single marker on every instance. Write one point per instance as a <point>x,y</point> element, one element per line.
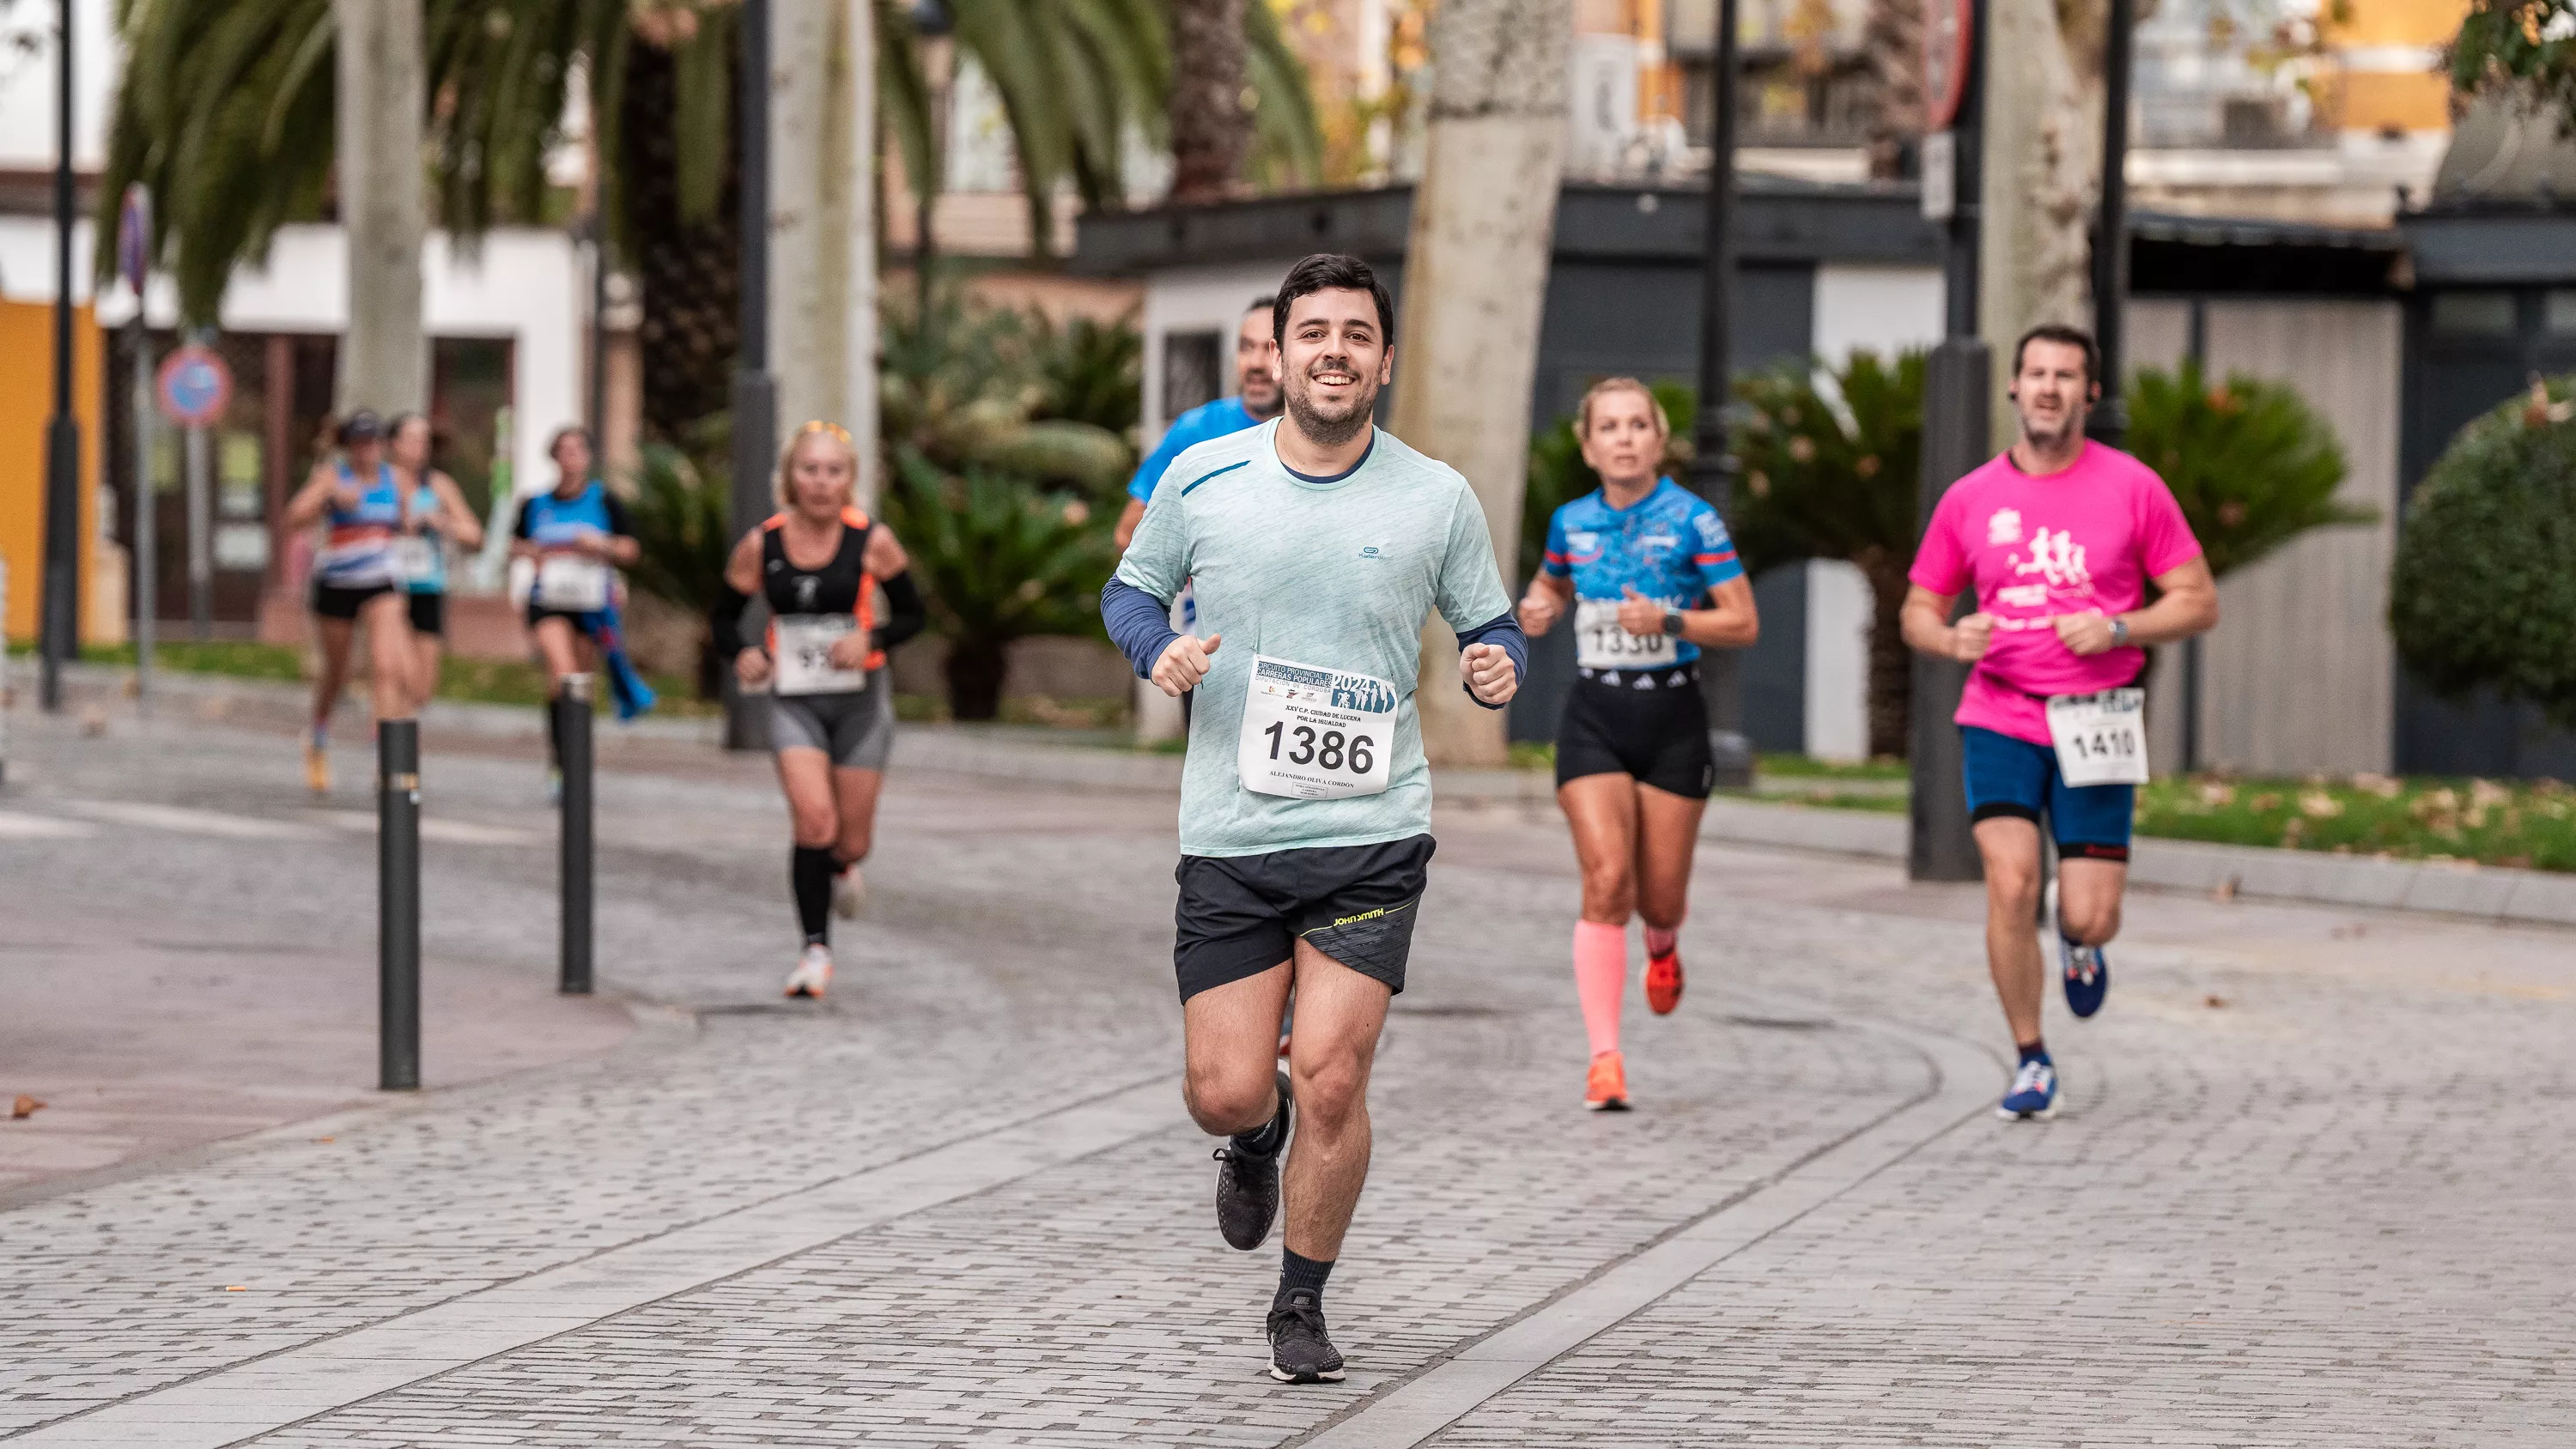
<point>1184,663</point>
<point>751,666</point>
<point>1970,637</point>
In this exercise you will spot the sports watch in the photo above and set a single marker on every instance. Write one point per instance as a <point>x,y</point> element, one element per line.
<point>1673,622</point>
<point>2119,632</point>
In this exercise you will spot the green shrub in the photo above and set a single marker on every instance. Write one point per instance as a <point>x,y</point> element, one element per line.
<point>2252,466</point>
<point>999,558</point>
<point>2483,591</point>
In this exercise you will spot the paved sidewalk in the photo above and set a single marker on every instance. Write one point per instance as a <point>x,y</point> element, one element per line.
<point>2311,1189</point>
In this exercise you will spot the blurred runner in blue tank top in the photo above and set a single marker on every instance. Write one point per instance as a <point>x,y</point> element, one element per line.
<point>434,517</point>
<point>1257,401</point>
<point>357,500</point>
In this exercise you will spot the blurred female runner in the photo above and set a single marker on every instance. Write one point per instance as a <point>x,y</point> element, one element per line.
<point>359,502</point>
<point>818,564</point>
<point>434,516</point>
<point>1635,561</point>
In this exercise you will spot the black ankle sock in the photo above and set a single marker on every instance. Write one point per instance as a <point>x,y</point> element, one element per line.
<point>810,872</point>
<point>2035,1052</point>
<point>1296,1273</point>
<point>1266,1139</point>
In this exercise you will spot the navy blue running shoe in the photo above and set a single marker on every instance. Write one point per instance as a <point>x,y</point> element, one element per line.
<point>2087,974</point>
<point>2033,1095</point>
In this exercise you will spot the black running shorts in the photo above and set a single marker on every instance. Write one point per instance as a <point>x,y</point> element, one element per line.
<point>1240,915</point>
<point>1648,724</point>
<point>332,601</point>
<point>429,614</point>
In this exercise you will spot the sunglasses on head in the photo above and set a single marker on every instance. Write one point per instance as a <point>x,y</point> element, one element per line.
<point>839,433</point>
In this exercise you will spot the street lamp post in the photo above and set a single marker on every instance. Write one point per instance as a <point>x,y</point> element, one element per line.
<point>755,392</point>
<point>2110,420</point>
<point>59,628</point>
<point>1712,470</point>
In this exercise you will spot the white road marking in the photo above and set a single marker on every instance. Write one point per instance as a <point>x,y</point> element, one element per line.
<point>187,820</point>
<point>15,826</point>
<point>457,832</point>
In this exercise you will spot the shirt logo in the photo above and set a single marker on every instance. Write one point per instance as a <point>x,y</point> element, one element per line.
<point>2004,527</point>
<point>1370,551</point>
<point>806,587</point>
<point>2058,558</point>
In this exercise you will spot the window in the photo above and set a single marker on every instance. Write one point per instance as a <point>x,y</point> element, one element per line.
<point>1191,375</point>
<point>2558,312</point>
<point>2473,314</point>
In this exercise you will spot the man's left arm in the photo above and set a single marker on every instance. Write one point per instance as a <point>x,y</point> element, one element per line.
<point>2187,604</point>
<point>1493,654</point>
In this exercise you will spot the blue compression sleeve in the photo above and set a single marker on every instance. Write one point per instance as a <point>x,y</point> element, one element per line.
<point>1505,631</point>
<point>1139,624</point>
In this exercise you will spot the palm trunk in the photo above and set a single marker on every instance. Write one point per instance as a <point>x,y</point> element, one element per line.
<point>688,271</point>
<point>1891,664</point>
<point>2043,160</point>
<point>1211,131</point>
<point>384,359</point>
<point>1892,40</point>
<point>1475,274</point>
<point>822,270</point>
<point>976,666</point>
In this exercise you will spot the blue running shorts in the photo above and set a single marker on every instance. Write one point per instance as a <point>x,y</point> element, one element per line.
<point>2010,777</point>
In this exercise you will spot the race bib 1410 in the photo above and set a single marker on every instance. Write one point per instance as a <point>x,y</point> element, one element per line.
<point>2101,738</point>
<point>1312,733</point>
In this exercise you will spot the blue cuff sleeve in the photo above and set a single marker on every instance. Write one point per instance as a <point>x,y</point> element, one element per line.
<point>1505,631</point>
<point>1139,624</point>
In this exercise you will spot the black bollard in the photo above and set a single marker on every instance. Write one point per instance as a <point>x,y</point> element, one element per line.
<point>572,728</point>
<point>398,904</point>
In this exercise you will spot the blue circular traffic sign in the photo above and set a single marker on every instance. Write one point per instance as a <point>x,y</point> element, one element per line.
<point>195,386</point>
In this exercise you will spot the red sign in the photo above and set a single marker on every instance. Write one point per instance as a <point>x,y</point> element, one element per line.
<point>195,386</point>
<point>1949,45</point>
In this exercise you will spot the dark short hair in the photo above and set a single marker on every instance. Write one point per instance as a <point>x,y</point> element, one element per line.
<point>1331,272</point>
<point>1266,302</point>
<point>362,426</point>
<point>2059,332</point>
<point>571,430</point>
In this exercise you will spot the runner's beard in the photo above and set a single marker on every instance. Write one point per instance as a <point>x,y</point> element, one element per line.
<point>1330,429</point>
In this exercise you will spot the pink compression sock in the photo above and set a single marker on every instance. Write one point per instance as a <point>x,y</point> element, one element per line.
<point>1659,942</point>
<point>1600,980</point>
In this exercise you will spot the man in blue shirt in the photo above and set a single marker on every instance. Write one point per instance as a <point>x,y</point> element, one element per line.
<point>1256,367</point>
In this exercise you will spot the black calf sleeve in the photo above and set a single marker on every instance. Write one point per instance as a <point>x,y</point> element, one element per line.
<point>810,870</point>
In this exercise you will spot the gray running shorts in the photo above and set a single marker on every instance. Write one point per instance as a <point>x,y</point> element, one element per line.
<point>855,729</point>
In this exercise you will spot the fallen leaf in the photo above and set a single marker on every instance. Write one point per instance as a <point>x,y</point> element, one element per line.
<point>2213,1002</point>
<point>237,1288</point>
<point>25,1106</point>
<point>2226,890</point>
<point>326,1139</point>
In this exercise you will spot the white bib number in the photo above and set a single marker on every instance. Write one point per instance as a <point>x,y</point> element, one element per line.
<point>575,585</point>
<point>415,557</point>
<point>804,664</point>
<point>1311,733</point>
<point>1599,642</point>
<point>2101,738</point>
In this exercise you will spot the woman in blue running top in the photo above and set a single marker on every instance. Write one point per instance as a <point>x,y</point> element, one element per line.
<point>578,537</point>
<point>1650,577</point>
<point>434,518</point>
<point>358,499</point>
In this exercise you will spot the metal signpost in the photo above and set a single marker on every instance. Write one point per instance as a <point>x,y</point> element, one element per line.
<point>755,392</point>
<point>134,262</point>
<point>196,387</point>
<point>1712,469</point>
<point>58,624</point>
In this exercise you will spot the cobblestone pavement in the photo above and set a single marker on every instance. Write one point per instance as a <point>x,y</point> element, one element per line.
<point>2312,1187</point>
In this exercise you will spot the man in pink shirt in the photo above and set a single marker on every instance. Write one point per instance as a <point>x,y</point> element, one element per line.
<point>2060,537</point>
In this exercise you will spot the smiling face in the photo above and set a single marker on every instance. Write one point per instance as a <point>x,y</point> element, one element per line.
<point>1625,439</point>
<point>820,472</point>
<point>1334,359</point>
<point>1256,365</point>
<point>2051,392</point>
<point>411,445</point>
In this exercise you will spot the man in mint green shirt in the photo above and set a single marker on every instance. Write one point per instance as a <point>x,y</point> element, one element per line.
<point>1318,545</point>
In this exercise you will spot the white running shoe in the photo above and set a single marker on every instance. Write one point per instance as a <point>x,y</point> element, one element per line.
<point>813,974</point>
<point>849,893</point>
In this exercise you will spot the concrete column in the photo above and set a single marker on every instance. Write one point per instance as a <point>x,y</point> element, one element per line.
<point>822,297</point>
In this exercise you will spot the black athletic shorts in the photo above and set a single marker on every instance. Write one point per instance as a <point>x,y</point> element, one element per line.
<point>429,614</point>
<point>1240,915</point>
<point>334,602</point>
<point>1648,724</point>
<point>581,623</point>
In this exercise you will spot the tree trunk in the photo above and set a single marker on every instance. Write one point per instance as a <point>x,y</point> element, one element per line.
<point>1475,275</point>
<point>2043,159</point>
<point>384,359</point>
<point>689,273</point>
<point>1892,48</point>
<point>822,269</point>
<point>1891,664</point>
<point>976,666</point>
<point>1211,130</point>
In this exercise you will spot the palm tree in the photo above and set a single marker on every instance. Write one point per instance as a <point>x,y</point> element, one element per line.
<point>226,109</point>
<point>1211,130</point>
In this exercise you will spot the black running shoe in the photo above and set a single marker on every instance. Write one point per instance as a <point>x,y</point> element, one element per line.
<point>1247,1185</point>
<point>1299,1351</point>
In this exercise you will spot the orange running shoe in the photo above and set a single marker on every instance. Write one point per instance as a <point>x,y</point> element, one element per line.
<point>1606,1089</point>
<point>1664,981</point>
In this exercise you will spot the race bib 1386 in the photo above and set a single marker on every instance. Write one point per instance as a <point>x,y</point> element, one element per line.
<point>1312,733</point>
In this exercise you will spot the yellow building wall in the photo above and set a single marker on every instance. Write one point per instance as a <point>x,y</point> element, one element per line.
<point>2388,77</point>
<point>26,403</point>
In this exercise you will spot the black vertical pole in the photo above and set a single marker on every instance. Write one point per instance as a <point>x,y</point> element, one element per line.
<point>2195,350</point>
<point>2110,420</point>
<point>59,628</point>
<point>573,722</point>
<point>1957,395</point>
<point>598,409</point>
<point>398,904</point>
<point>755,393</point>
<point>1712,470</point>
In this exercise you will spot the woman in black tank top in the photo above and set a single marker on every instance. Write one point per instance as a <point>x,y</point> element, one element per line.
<point>818,565</point>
